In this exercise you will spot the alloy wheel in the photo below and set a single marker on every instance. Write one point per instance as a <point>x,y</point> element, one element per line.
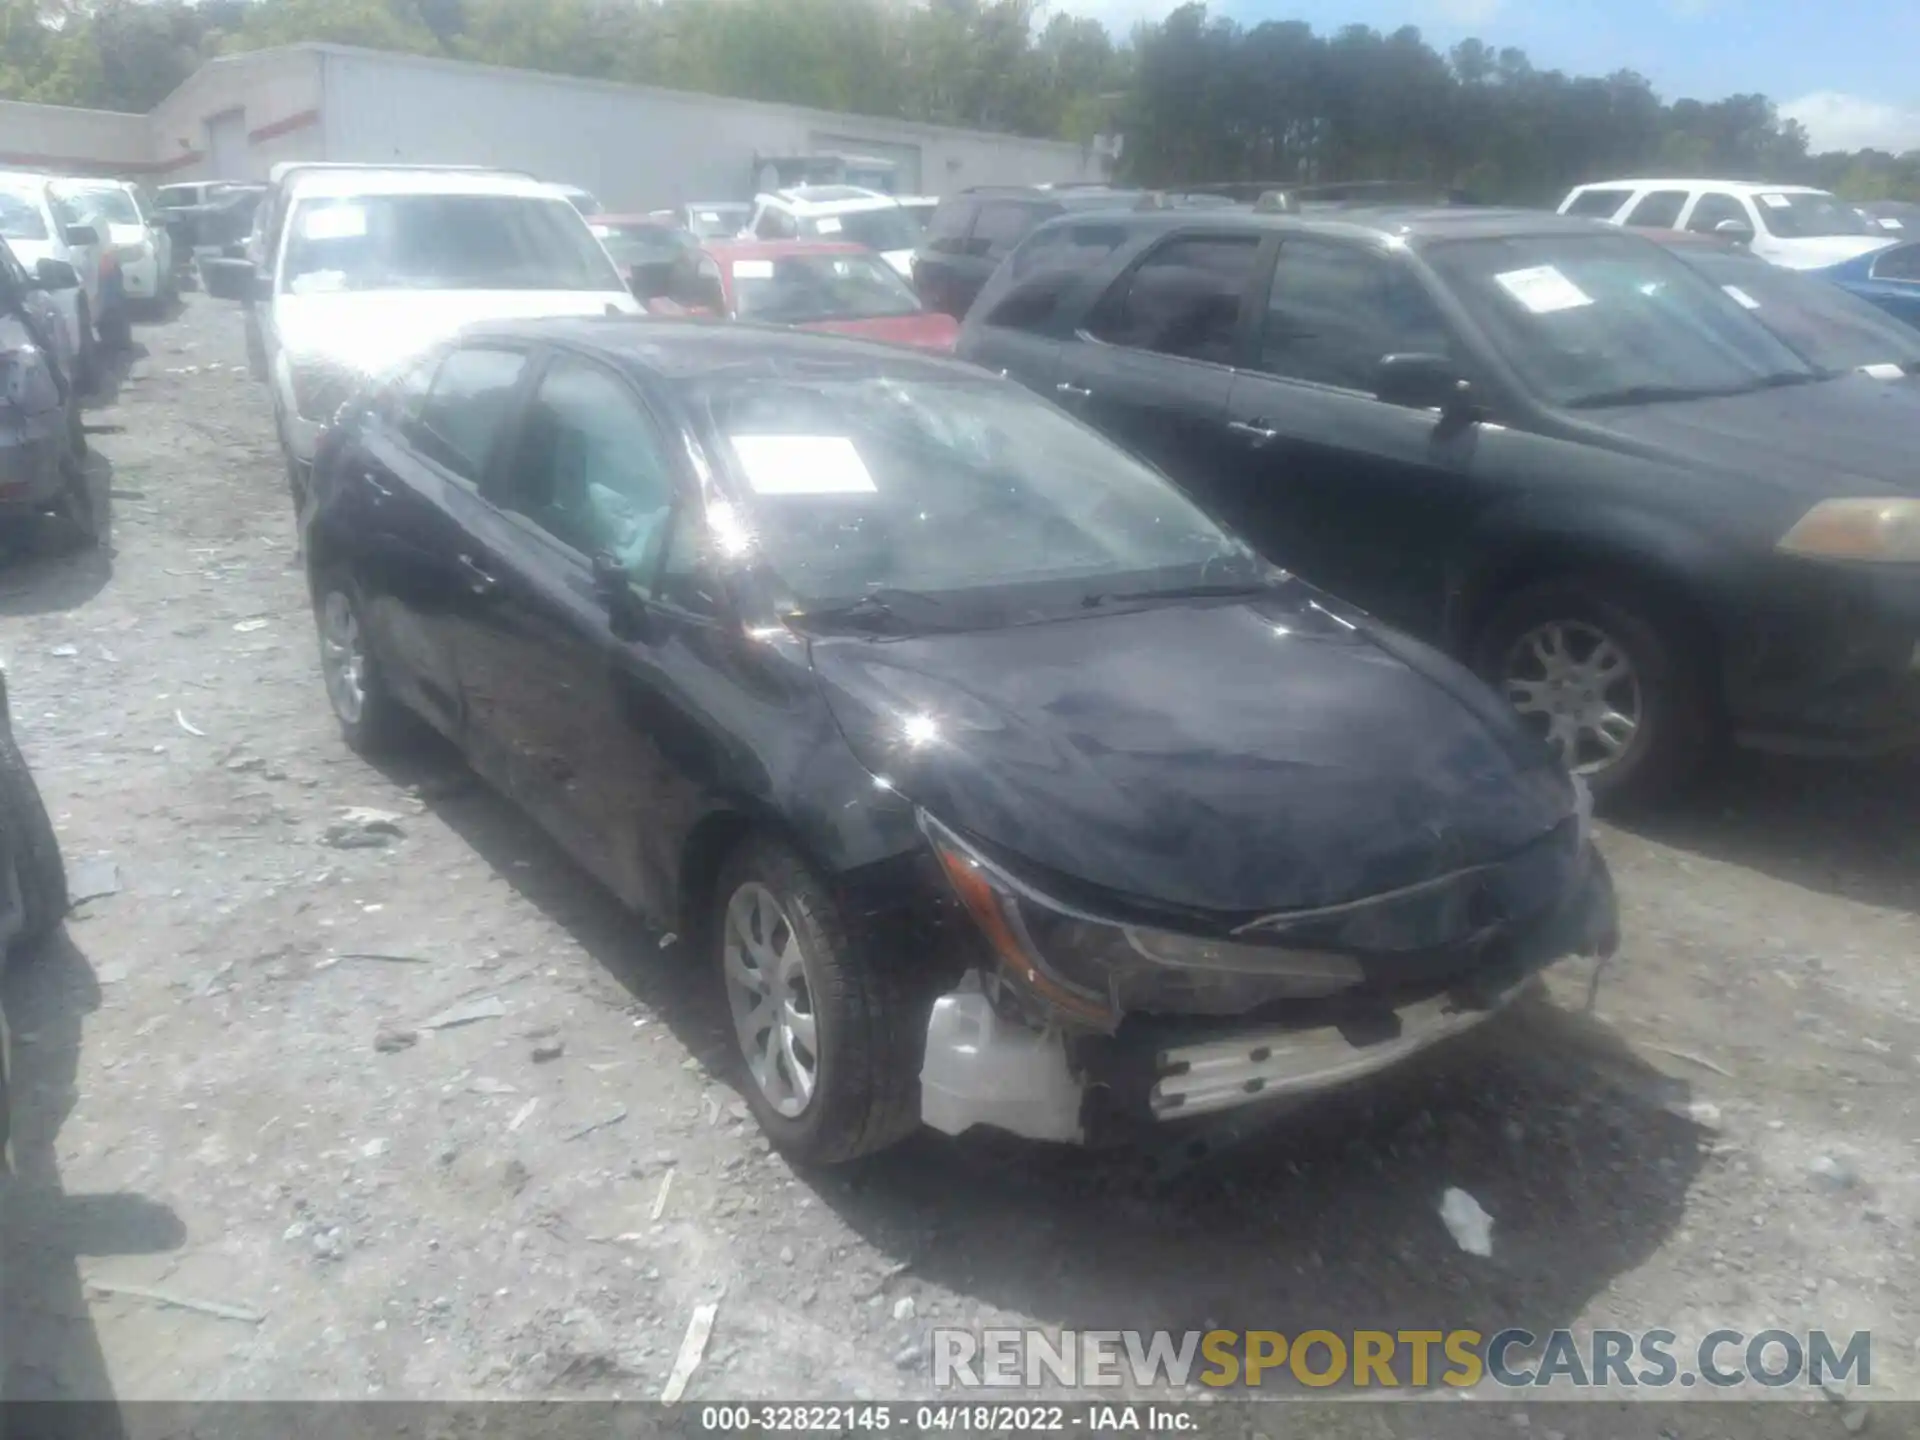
<point>1577,687</point>
<point>770,992</point>
<point>343,659</point>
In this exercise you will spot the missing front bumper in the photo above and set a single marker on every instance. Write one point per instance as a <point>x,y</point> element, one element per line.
<point>982,1068</point>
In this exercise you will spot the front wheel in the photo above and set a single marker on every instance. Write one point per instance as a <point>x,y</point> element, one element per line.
<point>1614,683</point>
<point>38,872</point>
<point>371,720</point>
<point>831,1037</point>
<point>76,510</point>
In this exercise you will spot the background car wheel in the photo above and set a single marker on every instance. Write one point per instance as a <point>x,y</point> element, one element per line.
<point>1615,684</point>
<point>372,721</point>
<point>86,368</point>
<point>831,1038</point>
<point>116,330</point>
<point>37,866</point>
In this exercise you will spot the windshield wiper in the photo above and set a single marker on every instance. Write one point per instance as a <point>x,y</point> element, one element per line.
<point>877,610</point>
<point>1645,395</point>
<point>1215,591</point>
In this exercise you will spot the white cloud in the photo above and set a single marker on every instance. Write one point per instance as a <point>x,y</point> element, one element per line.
<point>1836,121</point>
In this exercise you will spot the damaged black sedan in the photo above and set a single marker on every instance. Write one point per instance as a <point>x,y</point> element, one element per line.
<point>996,783</point>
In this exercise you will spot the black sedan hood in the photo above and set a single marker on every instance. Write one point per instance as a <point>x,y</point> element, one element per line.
<point>1234,759</point>
<point>1854,435</point>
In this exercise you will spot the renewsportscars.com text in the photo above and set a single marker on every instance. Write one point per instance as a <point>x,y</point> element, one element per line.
<point>1392,1359</point>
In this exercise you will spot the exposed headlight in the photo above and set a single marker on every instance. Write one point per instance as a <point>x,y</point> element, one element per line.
<point>1886,531</point>
<point>1096,971</point>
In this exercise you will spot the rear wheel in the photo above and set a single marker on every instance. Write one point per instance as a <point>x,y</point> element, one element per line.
<point>1615,683</point>
<point>371,720</point>
<point>76,511</point>
<point>831,1038</point>
<point>35,850</point>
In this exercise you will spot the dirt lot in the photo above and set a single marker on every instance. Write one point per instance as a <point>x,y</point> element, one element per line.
<point>1727,1140</point>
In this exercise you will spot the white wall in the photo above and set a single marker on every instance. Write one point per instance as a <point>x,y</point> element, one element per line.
<point>636,148</point>
<point>64,140</point>
<point>273,90</point>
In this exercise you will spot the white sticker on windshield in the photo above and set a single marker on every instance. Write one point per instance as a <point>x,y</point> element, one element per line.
<point>828,225</point>
<point>802,465</point>
<point>1543,289</point>
<point>1887,222</point>
<point>334,222</point>
<point>1746,300</point>
<point>1776,202</point>
<point>753,269</point>
<point>601,232</point>
<point>711,217</point>
<point>1884,371</point>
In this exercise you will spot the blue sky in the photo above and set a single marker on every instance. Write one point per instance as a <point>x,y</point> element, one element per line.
<point>1847,69</point>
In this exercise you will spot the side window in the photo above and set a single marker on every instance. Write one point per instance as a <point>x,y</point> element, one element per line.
<point>1713,207</point>
<point>460,419</point>
<point>1599,204</point>
<point>1184,299</point>
<point>1659,210</point>
<point>1900,263</point>
<point>1003,224</point>
<point>686,579</point>
<point>1335,311</point>
<point>590,469</point>
<point>775,225</point>
<point>1031,303</point>
<point>400,403</point>
<point>952,221</point>
<point>1075,247</point>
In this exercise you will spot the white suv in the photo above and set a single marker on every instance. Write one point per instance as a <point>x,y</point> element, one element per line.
<point>355,268</point>
<point>838,212</point>
<point>1791,225</point>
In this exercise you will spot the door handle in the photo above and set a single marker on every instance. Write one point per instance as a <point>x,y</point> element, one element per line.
<point>1258,434</point>
<point>1076,392</point>
<point>479,581</point>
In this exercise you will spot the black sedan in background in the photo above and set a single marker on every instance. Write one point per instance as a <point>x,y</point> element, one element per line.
<point>1545,444</point>
<point>997,783</point>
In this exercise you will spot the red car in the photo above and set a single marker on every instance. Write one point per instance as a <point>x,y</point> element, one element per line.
<point>809,284</point>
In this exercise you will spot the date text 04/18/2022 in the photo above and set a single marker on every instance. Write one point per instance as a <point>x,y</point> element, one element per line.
<point>923,1419</point>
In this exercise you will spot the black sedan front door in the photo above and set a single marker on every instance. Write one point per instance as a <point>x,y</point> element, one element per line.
<point>587,475</point>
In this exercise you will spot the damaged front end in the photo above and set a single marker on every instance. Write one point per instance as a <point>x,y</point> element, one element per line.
<point>1074,1023</point>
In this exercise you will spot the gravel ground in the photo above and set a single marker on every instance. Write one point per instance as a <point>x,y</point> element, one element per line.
<point>229,1090</point>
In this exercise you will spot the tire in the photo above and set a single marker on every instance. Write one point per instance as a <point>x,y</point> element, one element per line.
<point>35,851</point>
<point>86,366</point>
<point>869,1026</point>
<point>1665,657</point>
<point>116,330</point>
<point>76,513</point>
<point>371,721</point>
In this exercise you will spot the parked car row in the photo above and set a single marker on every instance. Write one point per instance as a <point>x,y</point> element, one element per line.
<point>1193,699</point>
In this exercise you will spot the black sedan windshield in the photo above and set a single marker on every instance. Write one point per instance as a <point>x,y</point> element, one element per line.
<point>643,244</point>
<point>949,490</point>
<point>800,289</point>
<point>1834,330</point>
<point>1611,319</point>
<point>442,242</point>
<point>890,228</point>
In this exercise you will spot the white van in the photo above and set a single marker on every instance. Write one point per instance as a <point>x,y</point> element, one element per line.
<point>1791,225</point>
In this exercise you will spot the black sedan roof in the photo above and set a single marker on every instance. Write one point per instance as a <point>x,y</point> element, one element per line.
<point>675,351</point>
<point>1406,222</point>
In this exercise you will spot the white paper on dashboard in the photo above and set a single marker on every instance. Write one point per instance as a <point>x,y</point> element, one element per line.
<point>753,269</point>
<point>1543,289</point>
<point>334,222</point>
<point>802,465</point>
<point>1776,202</point>
<point>828,225</point>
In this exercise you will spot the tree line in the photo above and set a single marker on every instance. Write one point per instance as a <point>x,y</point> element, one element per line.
<point>1196,96</point>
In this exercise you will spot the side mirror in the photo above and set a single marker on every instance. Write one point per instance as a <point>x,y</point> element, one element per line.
<point>1422,382</point>
<point>1737,231</point>
<point>82,236</point>
<point>230,279</point>
<point>56,275</point>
